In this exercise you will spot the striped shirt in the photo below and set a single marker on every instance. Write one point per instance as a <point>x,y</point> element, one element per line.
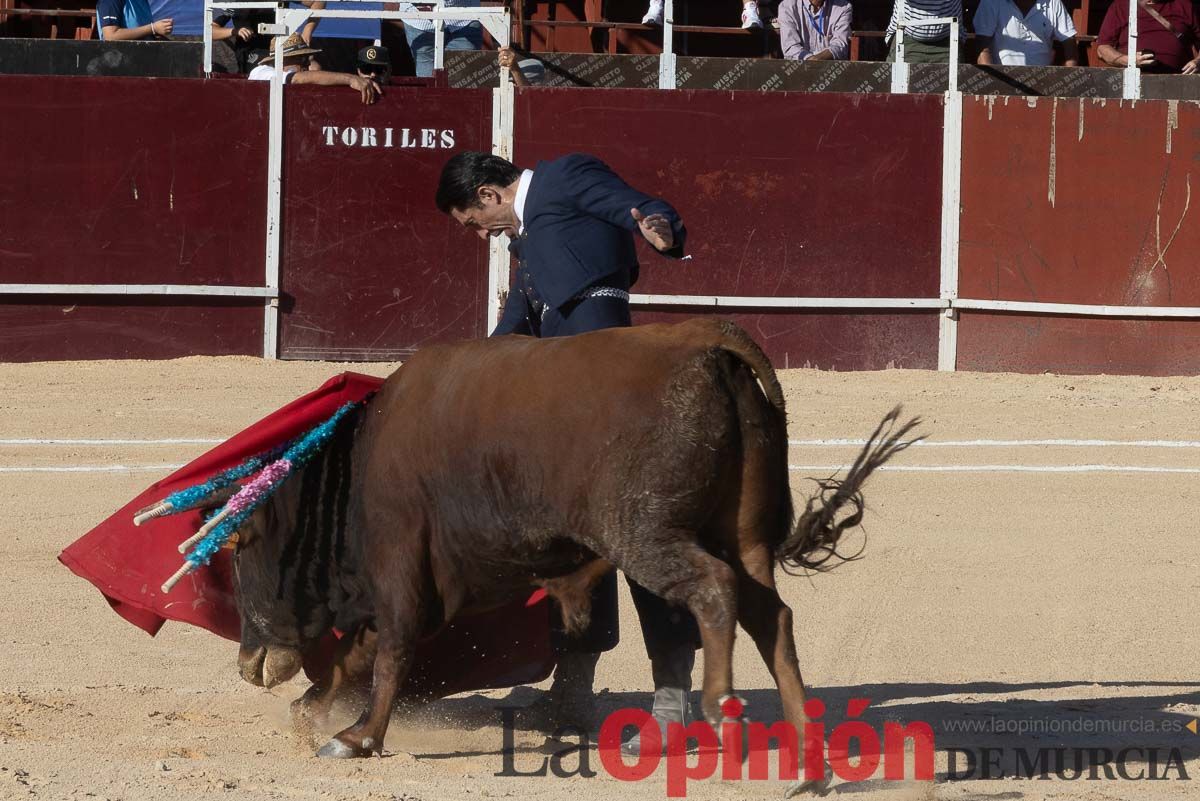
<point>914,11</point>
<point>427,24</point>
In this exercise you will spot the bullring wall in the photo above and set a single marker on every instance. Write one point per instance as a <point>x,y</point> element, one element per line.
<point>786,195</point>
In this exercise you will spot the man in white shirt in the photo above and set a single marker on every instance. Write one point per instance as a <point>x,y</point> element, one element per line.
<point>296,54</point>
<point>1023,32</point>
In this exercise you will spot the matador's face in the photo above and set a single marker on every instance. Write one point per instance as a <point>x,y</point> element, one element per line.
<point>492,215</point>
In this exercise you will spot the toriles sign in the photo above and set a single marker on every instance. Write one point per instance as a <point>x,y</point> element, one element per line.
<point>364,136</point>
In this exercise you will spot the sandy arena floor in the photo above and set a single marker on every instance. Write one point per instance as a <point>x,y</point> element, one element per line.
<point>1066,602</point>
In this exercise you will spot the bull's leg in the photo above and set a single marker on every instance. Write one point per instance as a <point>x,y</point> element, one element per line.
<point>707,586</point>
<point>352,660</point>
<point>768,621</point>
<point>393,658</point>
<point>713,602</point>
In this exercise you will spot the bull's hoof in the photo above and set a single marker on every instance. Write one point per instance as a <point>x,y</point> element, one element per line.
<point>336,749</point>
<point>279,665</point>
<point>815,787</point>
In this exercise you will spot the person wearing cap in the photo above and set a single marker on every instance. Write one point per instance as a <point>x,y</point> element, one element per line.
<point>296,54</point>
<point>375,63</point>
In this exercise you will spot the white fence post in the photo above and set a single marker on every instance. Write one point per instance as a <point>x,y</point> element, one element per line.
<point>899,67</point>
<point>951,208</point>
<point>499,260</point>
<point>666,61</point>
<point>1132,84</point>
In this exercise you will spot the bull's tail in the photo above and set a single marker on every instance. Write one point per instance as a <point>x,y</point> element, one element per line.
<point>740,344</point>
<point>813,542</point>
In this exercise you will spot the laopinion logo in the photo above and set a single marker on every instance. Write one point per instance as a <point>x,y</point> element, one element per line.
<point>736,749</point>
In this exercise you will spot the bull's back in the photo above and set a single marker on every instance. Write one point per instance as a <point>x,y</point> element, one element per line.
<point>510,444</point>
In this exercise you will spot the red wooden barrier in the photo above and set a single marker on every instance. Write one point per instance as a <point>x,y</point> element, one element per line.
<point>371,269</point>
<point>1079,201</point>
<point>131,181</point>
<point>784,195</point>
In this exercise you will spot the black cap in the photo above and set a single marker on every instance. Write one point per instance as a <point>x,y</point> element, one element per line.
<point>375,55</point>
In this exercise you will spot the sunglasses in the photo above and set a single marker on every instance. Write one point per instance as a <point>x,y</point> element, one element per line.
<point>374,70</point>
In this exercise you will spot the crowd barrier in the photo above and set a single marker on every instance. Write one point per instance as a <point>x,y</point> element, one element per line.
<point>845,231</point>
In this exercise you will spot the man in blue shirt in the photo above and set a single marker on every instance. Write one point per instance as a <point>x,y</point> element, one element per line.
<point>129,19</point>
<point>573,222</point>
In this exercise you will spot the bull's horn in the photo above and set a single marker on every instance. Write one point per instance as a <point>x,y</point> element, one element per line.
<point>150,512</point>
<point>186,545</point>
<point>170,583</point>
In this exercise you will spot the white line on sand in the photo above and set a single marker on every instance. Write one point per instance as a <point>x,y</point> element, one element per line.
<point>110,441</point>
<point>1007,468</point>
<point>107,468</point>
<point>821,468</point>
<point>1013,443</point>
<point>802,443</point>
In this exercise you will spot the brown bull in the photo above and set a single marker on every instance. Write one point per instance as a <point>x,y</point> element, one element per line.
<point>482,468</point>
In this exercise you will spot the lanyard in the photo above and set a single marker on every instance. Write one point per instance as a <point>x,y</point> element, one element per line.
<point>818,21</point>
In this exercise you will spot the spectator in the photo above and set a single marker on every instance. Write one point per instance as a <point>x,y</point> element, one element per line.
<point>458,35</point>
<point>815,30</point>
<point>750,15</point>
<point>923,44</point>
<point>1023,32</point>
<point>296,54</point>
<point>1167,36</point>
<point>121,20</point>
<point>375,64</point>
<point>242,35</point>
<point>526,72</point>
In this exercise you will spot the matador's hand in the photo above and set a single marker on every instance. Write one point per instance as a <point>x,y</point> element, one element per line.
<point>656,228</point>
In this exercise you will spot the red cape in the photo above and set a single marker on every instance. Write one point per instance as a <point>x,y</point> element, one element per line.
<point>502,648</point>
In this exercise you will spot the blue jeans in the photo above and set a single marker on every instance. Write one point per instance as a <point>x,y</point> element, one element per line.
<point>468,37</point>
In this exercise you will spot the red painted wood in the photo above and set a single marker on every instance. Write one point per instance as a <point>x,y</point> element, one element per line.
<point>1084,220</point>
<point>783,194</point>
<point>1101,216</point>
<point>1018,343</point>
<point>122,180</point>
<point>41,329</point>
<point>371,269</point>
<point>561,40</point>
<point>838,341</point>
<point>128,180</point>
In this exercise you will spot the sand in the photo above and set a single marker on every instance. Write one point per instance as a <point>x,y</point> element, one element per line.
<point>1040,609</point>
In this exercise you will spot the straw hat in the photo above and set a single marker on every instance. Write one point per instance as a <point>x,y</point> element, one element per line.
<point>294,45</point>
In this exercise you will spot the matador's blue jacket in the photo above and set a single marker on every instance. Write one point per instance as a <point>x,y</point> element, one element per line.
<point>578,233</point>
